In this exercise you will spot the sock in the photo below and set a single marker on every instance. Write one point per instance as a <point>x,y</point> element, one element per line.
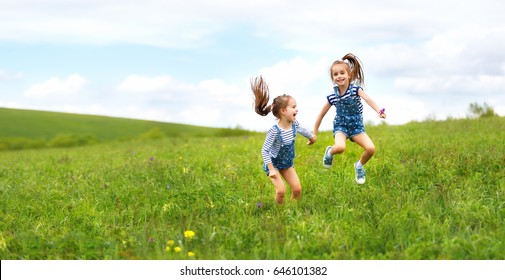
<point>359,165</point>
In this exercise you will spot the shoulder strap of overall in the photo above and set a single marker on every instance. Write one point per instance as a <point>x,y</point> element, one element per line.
<point>279,133</point>
<point>354,89</point>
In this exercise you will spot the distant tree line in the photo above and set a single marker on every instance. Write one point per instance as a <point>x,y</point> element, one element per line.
<point>481,111</point>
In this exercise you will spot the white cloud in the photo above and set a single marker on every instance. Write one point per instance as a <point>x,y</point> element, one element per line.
<point>202,115</point>
<point>155,23</point>
<point>159,23</point>
<point>477,85</point>
<point>415,54</point>
<point>142,84</point>
<point>217,88</point>
<point>7,76</point>
<point>57,87</point>
<point>294,75</point>
<point>206,102</point>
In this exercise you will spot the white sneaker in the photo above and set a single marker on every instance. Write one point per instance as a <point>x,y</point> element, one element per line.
<point>360,175</point>
<point>327,161</point>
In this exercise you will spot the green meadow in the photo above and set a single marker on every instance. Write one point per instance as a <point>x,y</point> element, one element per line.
<point>145,190</point>
<point>29,129</point>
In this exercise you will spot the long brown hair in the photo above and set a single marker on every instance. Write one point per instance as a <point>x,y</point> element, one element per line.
<point>354,66</point>
<point>262,96</point>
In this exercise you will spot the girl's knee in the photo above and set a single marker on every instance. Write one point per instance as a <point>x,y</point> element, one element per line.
<point>297,191</point>
<point>370,149</point>
<point>280,192</point>
<point>337,149</point>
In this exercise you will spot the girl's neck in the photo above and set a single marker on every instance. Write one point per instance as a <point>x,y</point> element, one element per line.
<point>284,123</point>
<point>343,88</point>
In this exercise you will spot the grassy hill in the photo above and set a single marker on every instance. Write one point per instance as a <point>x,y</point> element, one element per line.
<point>434,190</point>
<point>36,129</point>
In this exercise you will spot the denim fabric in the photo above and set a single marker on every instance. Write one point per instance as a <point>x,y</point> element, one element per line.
<point>349,125</point>
<point>349,119</point>
<point>286,155</point>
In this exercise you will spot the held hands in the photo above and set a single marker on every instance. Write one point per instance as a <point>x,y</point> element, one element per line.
<point>382,113</point>
<point>312,140</point>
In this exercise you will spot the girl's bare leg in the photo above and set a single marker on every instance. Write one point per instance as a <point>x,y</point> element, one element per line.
<point>339,145</point>
<point>280,189</point>
<point>293,181</point>
<point>369,148</point>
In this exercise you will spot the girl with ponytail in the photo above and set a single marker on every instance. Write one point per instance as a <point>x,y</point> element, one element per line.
<point>347,76</point>
<point>279,147</point>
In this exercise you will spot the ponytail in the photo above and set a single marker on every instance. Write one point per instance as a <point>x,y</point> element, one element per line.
<point>261,97</point>
<point>354,66</point>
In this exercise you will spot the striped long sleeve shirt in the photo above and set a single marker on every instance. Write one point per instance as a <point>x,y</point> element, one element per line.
<point>272,144</point>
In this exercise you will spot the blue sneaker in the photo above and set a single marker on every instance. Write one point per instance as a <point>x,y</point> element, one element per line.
<point>327,158</point>
<point>360,175</point>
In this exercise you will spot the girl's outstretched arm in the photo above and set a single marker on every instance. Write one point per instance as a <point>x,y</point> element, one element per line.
<point>320,117</point>
<point>306,133</point>
<point>371,103</point>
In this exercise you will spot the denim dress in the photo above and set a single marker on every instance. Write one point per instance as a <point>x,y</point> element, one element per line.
<point>286,155</point>
<point>349,118</point>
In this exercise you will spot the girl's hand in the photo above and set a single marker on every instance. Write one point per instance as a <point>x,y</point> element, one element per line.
<point>273,174</point>
<point>312,140</point>
<point>382,113</point>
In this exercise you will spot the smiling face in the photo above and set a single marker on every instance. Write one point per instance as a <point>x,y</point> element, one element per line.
<point>340,74</point>
<point>289,113</point>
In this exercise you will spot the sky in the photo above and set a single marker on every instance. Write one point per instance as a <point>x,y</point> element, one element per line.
<point>192,61</point>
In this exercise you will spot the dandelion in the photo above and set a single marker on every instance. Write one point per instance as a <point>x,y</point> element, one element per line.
<point>177,249</point>
<point>167,249</point>
<point>191,254</point>
<point>170,242</point>
<point>189,234</point>
<point>166,207</point>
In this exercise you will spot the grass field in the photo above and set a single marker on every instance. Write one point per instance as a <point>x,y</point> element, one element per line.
<point>435,190</point>
<point>29,129</point>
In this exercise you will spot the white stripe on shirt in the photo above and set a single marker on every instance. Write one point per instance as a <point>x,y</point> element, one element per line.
<point>272,144</point>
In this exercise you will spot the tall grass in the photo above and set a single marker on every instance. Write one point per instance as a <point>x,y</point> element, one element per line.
<point>435,190</point>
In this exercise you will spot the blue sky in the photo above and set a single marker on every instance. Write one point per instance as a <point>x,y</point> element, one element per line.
<point>191,61</point>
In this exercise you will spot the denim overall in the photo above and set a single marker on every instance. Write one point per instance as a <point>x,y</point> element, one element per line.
<point>349,118</point>
<point>286,155</point>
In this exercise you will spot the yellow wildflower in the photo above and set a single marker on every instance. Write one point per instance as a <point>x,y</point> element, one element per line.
<point>170,242</point>
<point>166,207</point>
<point>189,234</point>
<point>177,249</point>
<point>191,254</point>
<point>167,249</point>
